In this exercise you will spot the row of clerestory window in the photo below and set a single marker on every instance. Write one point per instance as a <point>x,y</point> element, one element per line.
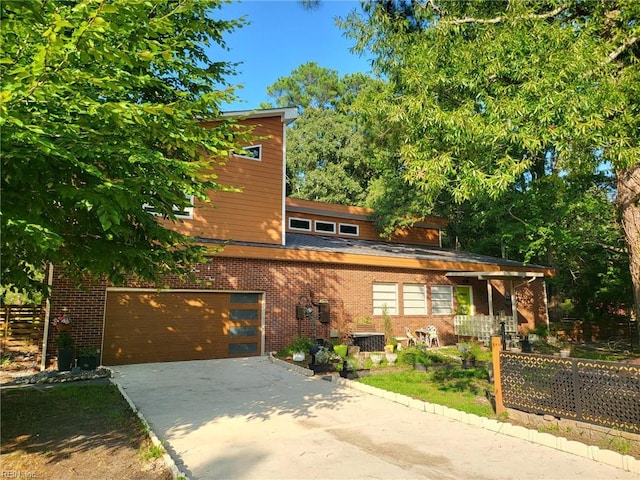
<point>319,226</point>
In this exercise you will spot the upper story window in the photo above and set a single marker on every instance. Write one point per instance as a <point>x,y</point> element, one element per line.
<point>349,229</point>
<point>252,152</point>
<point>299,224</point>
<point>186,213</point>
<point>325,227</point>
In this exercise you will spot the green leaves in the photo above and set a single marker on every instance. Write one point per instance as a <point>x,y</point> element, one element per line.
<point>487,101</point>
<point>326,157</point>
<point>98,119</point>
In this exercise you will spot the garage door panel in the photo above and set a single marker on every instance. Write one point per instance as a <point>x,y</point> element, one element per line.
<point>142,326</point>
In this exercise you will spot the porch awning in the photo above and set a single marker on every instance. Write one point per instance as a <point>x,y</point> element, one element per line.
<point>497,274</point>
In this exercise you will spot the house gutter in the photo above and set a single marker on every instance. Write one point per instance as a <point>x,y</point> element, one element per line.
<point>47,314</point>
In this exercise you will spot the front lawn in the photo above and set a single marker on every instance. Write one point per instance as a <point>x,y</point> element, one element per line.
<point>78,430</point>
<point>454,387</point>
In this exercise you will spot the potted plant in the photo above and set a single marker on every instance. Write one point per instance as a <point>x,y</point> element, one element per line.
<point>376,358</point>
<point>322,360</point>
<point>65,351</point>
<point>390,340</point>
<point>88,358</point>
<point>62,323</point>
<point>341,350</point>
<point>391,357</point>
<point>299,348</point>
<point>565,350</point>
<point>469,354</point>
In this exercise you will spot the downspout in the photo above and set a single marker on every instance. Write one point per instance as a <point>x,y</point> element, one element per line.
<point>47,314</point>
<point>283,223</point>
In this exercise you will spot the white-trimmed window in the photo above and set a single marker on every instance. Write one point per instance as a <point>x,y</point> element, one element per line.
<point>385,295</point>
<point>441,299</point>
<point>186,213</point>
<point>324,227</point>
<point>299,224</point>
<point>414,299</point>
<point>252,152</point>
<point>349,229</point>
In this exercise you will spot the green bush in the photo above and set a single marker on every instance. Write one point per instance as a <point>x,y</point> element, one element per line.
<point>299,344</point>
<point>416,355</point>
<point>65,340</point>
<point>541,330</point>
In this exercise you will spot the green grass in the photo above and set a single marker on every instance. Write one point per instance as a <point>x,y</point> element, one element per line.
<point>602,353</point>
<point>483,356</point>
<point>62,409</point>
<point>151,452</point>
<point>454,387</point>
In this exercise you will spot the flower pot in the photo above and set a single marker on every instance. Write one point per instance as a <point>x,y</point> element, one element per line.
<point>322,368</point>
<point>87,363</point>
<point>468,363</point>
<point>391,358</point>
<point>565,353</point>
<point>63,327</point>
<point>65,359</point>
<point>341,350</point>
<point>376,358</point>
<point>298,356</point>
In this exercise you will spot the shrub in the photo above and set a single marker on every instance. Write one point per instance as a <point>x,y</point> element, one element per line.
<point>299,344</point>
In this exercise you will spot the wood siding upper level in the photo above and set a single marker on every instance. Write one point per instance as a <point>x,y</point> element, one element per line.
<point>426,232</point>
<point>254,214</point>
<point>259,213</point>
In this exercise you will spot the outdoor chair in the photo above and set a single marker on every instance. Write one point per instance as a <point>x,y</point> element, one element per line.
<point>411,338</point>
<point>432,335</point>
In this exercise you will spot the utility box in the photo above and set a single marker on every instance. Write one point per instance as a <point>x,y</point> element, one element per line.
<point>324,312</point>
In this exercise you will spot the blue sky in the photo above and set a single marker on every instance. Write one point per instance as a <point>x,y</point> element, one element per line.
<point>282,35</point>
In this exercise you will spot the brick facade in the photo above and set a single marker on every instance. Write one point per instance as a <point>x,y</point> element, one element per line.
<point>348,288</point>
<point>342,275</point>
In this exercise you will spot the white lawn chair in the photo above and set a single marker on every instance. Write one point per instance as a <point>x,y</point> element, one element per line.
<point>432,335</point>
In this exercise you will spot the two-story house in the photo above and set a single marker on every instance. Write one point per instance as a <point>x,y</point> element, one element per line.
<point>281,267</point>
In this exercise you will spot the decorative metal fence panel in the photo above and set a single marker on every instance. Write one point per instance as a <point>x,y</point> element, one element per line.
<point>483,326</point>
<point>598,392</point>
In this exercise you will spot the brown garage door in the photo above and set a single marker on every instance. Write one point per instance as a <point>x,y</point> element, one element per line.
<point>150,326</point>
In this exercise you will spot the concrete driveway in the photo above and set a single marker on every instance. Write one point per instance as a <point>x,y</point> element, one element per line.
<point>252,419</point>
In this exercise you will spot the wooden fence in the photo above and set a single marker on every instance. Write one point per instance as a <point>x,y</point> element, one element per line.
<point>21,329</point>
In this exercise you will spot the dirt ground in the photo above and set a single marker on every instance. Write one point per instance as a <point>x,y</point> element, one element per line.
<point>84,431</point>
<point>105,440</point>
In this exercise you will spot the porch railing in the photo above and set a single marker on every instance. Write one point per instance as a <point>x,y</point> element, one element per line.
<point>483,326</point>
